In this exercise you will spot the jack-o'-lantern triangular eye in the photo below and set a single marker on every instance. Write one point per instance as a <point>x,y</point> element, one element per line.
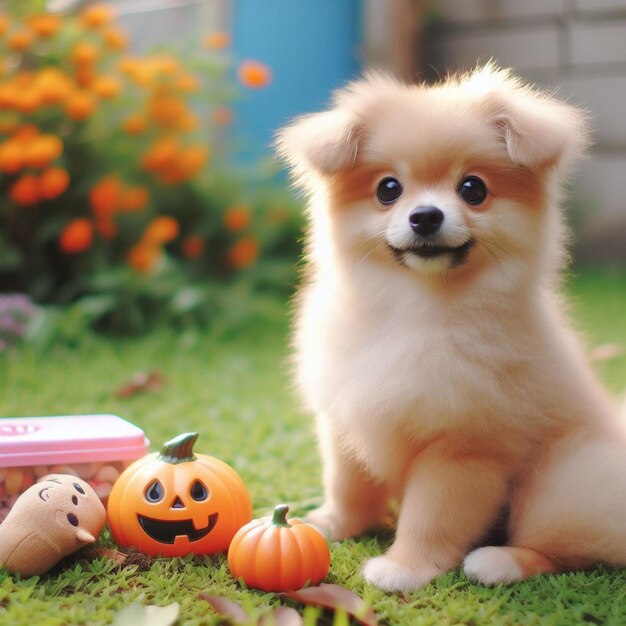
<point>198,491</point>
<point>154,492</point>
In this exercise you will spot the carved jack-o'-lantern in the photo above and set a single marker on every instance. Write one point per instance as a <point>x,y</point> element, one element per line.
<point>177,502</point>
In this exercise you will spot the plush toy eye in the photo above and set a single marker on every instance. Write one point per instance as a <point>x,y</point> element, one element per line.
<point>79,488</point>
<point>72,519</point>
<point>154,492</point>
<point>389,190</point>
<point>473,190</point>
<point>198,491</point>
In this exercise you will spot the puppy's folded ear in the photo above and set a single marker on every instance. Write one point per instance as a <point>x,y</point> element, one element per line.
<point>539,131</point>
<point>323,142</point>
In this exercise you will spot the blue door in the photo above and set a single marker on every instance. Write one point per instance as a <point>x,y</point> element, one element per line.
<point>312,47</point>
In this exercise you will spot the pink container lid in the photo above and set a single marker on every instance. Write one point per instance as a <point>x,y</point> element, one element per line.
<point>64,439</point>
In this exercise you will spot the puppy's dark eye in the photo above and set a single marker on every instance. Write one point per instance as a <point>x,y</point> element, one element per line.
<point>389,190</point>
<point>79,488</point>
<point>154,492</point>
<point>473,190</point>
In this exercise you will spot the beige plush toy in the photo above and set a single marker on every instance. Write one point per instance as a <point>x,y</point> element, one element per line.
<point>53,518</point>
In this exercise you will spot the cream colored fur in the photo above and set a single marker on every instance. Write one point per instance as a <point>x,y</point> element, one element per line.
<point>459,390</point>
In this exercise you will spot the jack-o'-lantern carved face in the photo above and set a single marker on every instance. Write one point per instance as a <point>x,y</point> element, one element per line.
<point>176,503</point>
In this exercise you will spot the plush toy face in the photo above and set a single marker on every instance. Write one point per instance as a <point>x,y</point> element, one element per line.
<point>177,503</point>
<point>51,519</point>
<point>70,508</point>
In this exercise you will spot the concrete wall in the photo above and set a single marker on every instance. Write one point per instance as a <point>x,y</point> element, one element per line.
<point>576,47</point>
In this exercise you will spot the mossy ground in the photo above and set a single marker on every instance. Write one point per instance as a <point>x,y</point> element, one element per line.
<point>235,391</point>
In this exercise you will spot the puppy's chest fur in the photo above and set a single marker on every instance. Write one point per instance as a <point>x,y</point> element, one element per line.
<point>395,368</point>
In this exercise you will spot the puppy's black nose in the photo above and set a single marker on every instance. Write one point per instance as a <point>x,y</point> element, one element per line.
<point>426,220</point>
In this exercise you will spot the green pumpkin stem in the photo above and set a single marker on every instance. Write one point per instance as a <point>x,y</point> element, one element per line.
<point>179,449</point>
<point>279,518</point>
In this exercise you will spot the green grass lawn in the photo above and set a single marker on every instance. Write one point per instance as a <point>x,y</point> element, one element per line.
<point>235,391</point>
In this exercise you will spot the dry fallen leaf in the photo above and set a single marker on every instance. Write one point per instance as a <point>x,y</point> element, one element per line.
<point>115,555</point>
<point>335,597</point>
<point>141,382</point>
<point>331,597</point>
<point>226,608</point>
<point>605,352</point>
<point>136,614</point>
<point>282,616</point>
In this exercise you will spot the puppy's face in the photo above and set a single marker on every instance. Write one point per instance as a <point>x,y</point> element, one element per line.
<point>436,179</point>
<point>435,187</point>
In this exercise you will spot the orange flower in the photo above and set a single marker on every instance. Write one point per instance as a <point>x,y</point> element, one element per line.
<point>12,157</point>
<point>44,25</point>
<point>161,230</point>
<point>9,125</point>
<point>106,227</point>
<point>237,218</point>
<point>134,199</point>
<point>80,105</point>
<point>187,82</point>
<point>186,122</point>
<point>97,15</point>
<point>172,175</point>
<point>222,115</point>
<point>84,53</point>
<point>41,150</point>
<point>8,95</point>
<point>135,124</point>
<point>52,85</point>
<point>115,39</point>
<point>165,64</point>
<point>144,257</point>
<point>27,100</point>
<point>193,246</point>
<point>140,71</point>
<point>23,78</point>
<point>53,182</point>
<point>107,86</point>
<point>20,40</point>
<point>166,109</point>
<point>217,40</point>
<point>128,64</point>
<point>192,159</point>
<point>254,74</point>
<point>4,23</point>
<point>161,155</point>
<point>105,197</point>
<point>26,132</point>
<point>77,236</point>
<point>25,190</point>
<point>85,75</point>
<point>244,253</point>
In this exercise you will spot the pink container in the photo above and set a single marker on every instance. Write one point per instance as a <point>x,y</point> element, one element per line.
<point>95,447</point>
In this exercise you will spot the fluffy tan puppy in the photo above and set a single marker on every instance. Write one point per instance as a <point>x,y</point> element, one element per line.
<point>431,343</point>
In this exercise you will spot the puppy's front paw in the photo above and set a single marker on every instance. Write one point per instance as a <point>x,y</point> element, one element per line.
<point>331,524</point>
<point>389,575</point>
<point>491,566</point>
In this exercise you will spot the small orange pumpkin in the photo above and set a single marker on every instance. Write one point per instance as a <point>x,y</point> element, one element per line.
<point>273,554</point>
<point>176,502</point>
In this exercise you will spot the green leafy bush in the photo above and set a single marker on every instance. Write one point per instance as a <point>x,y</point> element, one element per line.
<point>110,199</point>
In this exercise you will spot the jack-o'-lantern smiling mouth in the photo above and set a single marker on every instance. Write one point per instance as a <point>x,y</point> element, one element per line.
<point>167,531</point>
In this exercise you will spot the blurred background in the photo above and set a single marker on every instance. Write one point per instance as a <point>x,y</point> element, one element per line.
<point>137,183</point>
